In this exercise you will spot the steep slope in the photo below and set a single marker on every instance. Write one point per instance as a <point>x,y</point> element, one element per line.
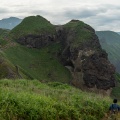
<point>3,34</point>
<point>110,41</point>
<point>79,53</point>
<point>90,65</point>
<point>36,64</point>
<point>9,23</point>
<point>8,70</point>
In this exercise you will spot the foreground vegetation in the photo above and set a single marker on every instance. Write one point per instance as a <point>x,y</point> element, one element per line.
<point>32,100</point>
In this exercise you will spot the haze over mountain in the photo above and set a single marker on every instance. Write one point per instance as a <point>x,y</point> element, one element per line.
<point>110,41</point>
<point>118,32</point>
<point>9,23</point>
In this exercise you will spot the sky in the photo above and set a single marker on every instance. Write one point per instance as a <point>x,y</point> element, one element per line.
<point>100,14</point>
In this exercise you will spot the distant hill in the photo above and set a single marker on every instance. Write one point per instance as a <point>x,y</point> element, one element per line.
<point>9,23</point>
<point>118,32</point>
<point>110,41</point>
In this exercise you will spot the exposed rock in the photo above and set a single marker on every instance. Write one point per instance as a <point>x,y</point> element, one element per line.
<point>98,71</point>
<point>81,53</point>
<point>36,41</point>
<point>89,63</point>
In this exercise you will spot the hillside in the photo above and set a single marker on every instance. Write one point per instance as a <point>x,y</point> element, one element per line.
<point>110,41</point>
<point>9,23</point>
<point>32,25</point>
<point>24,99</point>
<point>3,34</point>
<point>69,53</point>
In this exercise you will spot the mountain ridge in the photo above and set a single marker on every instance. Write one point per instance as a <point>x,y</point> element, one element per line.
<point>70,53</point>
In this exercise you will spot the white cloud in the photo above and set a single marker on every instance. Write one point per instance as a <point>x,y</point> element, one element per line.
<point>100,14</point>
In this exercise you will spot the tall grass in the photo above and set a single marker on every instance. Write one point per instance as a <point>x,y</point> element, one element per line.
<point>32,100</point>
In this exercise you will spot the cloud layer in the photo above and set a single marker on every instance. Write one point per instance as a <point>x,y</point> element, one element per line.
<point>100,14</point>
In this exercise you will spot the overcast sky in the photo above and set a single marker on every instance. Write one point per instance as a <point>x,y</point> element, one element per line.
<point>100,14</point>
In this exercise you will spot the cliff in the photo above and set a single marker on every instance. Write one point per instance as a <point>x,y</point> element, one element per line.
<point>80,52</point>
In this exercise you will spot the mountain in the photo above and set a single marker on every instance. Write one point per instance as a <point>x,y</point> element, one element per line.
<point>69,53</point>
<point>110,41</point>
<point>118,32</point>
<point>9,23</point>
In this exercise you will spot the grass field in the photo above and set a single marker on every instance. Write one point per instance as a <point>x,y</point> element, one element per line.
<point>33,100</point>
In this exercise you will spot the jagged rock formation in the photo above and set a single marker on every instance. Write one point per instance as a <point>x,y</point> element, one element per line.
<point>110,41</point>
<point>36,41</point>
<point>81,53</point>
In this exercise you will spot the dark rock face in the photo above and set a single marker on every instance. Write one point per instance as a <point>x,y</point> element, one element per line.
<point>98,71</point>
<point>87,62</point>
<point>36,41</point>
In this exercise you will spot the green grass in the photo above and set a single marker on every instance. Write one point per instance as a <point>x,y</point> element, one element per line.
<point>39,64</point>
<point>32,25</point>
<point>3,34</point>
<point>116,90</point>
<point>32,100</point>
<point>7,68</point>
<point>80,33</point>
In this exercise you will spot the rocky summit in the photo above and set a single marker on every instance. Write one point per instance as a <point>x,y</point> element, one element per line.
<point>80,51</point>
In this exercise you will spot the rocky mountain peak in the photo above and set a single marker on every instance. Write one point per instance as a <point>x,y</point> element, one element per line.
<point>81,52</point>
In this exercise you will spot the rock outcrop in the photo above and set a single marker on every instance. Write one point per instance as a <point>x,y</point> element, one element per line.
<point>37,41</point>
<point>81,53</point>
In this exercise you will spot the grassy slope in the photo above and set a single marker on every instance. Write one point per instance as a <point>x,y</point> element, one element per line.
<point>32,100</point>
<point>82,34</point>
<point>39,64</point>
<point>32,25</point>
<point>3,34</point>
<point>110,41</point>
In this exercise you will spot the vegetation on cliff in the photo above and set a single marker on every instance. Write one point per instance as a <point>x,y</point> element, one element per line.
<point>79,31</point>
